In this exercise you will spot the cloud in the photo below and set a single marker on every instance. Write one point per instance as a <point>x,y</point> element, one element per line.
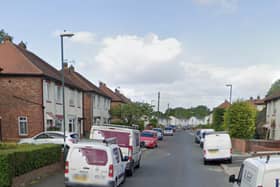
<point>134,59</point>
<point>144,65</point>
<point>81,37</point>
<point>225,4</point>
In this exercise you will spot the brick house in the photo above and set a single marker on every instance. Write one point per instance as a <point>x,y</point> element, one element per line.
<point>117,98</point>
<point>31,95</point>
<point>96,104</point>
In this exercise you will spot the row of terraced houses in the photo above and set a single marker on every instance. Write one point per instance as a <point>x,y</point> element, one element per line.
<point>31,96</point>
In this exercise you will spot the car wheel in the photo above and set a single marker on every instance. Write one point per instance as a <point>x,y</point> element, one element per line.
<point>205,162</point>
<point>131,171</point>
<point>138,164</point>
<point>230,161</point>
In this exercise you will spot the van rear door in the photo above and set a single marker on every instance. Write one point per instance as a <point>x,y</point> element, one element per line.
<point>88,165</point>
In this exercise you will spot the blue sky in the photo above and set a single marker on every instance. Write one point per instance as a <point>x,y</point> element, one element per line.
<point>206,43</point>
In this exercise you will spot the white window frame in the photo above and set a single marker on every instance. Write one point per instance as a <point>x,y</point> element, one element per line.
<point>58,97</point>
<point>48,93</point>
<point>19,125</point>
<point>78,99</point>
<point>72,98</point>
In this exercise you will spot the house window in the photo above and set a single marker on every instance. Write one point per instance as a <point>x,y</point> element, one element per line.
<point>78,99</point>
<point>72,98</point>
<point>58,124</point>
<point>58,94</point>
<point>48,91</point>
<point>22,125</point>
<point>71,125</point>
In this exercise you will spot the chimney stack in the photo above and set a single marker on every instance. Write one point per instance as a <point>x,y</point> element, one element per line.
<point>22,45</point>
<point>7,39</point>
<point>65,65</point>
<point>251,98</point>
<point>71,68</point>
<point>258,97</point>
<point>102,84</point>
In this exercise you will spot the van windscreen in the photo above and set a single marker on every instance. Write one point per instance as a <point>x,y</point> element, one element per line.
<point>122,137</point>
<point>94,156</point>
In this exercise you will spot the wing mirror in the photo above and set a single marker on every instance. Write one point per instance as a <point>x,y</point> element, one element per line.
<point>232,179</point>
<point>125,159</point>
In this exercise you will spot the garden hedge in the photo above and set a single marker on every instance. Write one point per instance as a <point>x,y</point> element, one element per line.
<point>20,159</point>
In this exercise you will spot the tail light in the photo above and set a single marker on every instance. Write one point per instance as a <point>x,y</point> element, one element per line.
<point>231,153</point>
<point>66,170</point>
<point>130,152</point>
<point>111,171</point>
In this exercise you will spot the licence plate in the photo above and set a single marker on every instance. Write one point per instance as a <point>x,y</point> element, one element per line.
<point>213,151</point>
<point>80,178</point>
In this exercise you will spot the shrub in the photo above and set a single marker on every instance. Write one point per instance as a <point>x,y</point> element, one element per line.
<point>20,159</point>
<point>240,120</point>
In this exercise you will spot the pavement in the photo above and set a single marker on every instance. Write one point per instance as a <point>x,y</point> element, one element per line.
<point>176,163</point>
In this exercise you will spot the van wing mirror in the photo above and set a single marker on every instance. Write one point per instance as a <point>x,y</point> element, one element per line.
<point>125,159</point>
<point>232,179</point>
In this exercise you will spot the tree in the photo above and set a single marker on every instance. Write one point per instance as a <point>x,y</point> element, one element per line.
<point>200,112</point>
<point>240,120</point>
<point>275,87</point>
<point>3,34</point>
<point>218,119</point>
<point>131,113</point>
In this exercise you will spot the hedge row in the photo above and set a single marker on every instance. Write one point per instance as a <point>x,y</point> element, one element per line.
<point>22,159</point>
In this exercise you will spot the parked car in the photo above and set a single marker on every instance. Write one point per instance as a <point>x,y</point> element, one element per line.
<point>95,163</point>
<point>168,131</point>
<point>149,138</point>
<point>127,138</point>
<point>159,133</point>
<point>203,133</point>
<point>217,146</point>
<point>197,136</point>
<point>260,171</point>
<point>52,137</point>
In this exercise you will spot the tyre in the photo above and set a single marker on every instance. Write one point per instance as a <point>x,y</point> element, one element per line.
<point>205,162</point>
<point>230,161</point>
<point>130,172</point>
<point>138,164</point>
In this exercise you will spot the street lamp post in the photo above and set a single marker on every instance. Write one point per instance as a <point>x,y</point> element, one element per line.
<point>230,91</point>
<point>63,87</point>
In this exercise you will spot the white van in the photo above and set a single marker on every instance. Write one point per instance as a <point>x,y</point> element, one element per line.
<point>202,134</point>
<point>127,138</point>
<point>95,163</point>
<point>258,172</point>
<point>217,146</point>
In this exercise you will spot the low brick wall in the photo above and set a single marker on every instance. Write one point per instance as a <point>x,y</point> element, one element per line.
<point>26,179</point>
<point>248,146</point>
<point>239,145</point>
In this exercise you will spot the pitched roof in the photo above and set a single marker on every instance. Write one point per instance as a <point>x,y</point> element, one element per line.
<point>124,99</point>
<point>114,97</point>
<point>16,60</point>
<point>85,84</point>
<point>224,105</point>
<point>274,96</point>
<point>257,101</point>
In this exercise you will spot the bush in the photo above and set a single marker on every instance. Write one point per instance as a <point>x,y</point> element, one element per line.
<point>218,119</point>
<point>25,158</point>
<point>240,120</point>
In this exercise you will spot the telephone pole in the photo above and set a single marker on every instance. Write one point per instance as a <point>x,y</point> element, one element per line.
<point>158,102</point>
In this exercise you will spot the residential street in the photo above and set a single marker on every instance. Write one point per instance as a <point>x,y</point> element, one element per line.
<point>176,163</point>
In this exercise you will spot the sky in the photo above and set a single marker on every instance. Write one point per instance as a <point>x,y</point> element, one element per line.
<point>187,50</point>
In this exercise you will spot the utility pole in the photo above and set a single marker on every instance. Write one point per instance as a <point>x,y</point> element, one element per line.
<point>158,102</point>
<point>230,91</point>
